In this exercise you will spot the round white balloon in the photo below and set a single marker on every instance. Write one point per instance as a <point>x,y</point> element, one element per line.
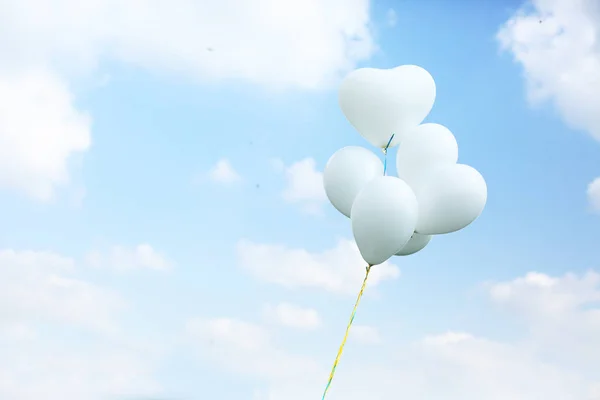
<point>346,173</point>
<point>382,102</point>
<point>416,243</point>
<point>450,198</point>
<point>428,146</point>
<point>384,216</point>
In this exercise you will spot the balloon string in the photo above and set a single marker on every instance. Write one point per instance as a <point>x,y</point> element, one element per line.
<point>339,353</point>
<point>385,149</point>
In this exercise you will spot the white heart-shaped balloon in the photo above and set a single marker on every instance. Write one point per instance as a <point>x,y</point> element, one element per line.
<point>450,198</point>
<point>416,243</point>
<point>384,217</point>
<point>346,174</point>
<point>382,102</point>
<point>428,146</point>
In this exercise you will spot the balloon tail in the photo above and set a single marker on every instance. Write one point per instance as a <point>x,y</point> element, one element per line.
<point>341,349</point>
<point>385,149</point>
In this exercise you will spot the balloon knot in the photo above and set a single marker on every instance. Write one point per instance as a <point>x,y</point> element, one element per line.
<point>388,144</point>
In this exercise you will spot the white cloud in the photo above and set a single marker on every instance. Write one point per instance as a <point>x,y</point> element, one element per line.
<point>43,369</point>
<point>555,356</point>
<point>555,363</point>
<point>593,194</point>
<point>40,131</point>
<point>142,256</point>
<point>304,186</point>
<point>17,332</point>
<point>43,47</point>
<point>201,39</point>
<point>471,368</point>
<point>223,172</point>
<point>562,312</point>
<point>43,306</point>
<point>238,334</point>
<point>447,338</point>
<point>437,368</point>
<point>365,334</point>
<point>338,270</point>
<point>543,296</point>
<point>293,316</point>
<point>391,17</point>
<point>556,43</point>
<point>38,286</point>
<point>246,349</point>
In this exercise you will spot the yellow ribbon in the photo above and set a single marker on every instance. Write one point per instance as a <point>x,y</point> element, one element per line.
<point>339,354</point>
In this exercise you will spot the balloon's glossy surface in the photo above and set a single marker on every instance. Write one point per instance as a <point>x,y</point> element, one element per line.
<point>450,198</point>
<point>346,174</point>
<point>428,146</point>
<point>384,216</point>
<point>382,102</point>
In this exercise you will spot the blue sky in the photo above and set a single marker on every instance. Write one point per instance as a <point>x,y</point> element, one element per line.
<point>180,246</point>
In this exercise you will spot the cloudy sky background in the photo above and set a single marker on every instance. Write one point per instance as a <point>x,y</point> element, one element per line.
<point>164,232</point>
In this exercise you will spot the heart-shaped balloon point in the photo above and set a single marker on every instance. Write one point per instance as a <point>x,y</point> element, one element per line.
<point>382,102</point>
<point>384,217</point>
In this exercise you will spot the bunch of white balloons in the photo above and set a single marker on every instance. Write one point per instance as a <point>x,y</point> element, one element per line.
<point>432,194</point>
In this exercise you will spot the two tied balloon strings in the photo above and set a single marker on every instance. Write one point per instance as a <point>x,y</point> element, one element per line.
<point>360,294</point>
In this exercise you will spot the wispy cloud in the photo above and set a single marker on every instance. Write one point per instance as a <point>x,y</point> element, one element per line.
<point>223,172</point>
